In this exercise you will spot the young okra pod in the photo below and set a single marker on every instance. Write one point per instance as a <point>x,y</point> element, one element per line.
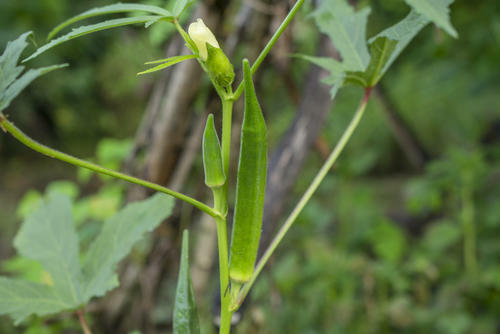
<point>250,186</point>
<point>212,156</point>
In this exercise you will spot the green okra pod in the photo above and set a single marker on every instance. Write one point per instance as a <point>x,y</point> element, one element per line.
<point>212,156</point>
<point>250,186</point>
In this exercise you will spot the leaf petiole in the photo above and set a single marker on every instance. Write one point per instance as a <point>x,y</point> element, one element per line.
<point>34,145</point>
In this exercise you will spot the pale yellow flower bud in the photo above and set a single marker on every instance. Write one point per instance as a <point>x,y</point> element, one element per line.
<point>201,35</point>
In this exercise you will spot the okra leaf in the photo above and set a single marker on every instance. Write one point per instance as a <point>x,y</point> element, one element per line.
<point>437,11</point>
<point>402,32</point>
<point>167,62</point>
<point>336,69</point>
<point>10,84</point>
<point>85,30</point>
<point>20,299</point>
<point>381,50</point>
<point>347,30</point>
<point>112,9</point>
<point>49,237</point>
<point>116,239</point>
<point>185,310</point>
<point>180,6</point>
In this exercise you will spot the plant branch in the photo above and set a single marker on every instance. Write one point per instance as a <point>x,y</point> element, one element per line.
<point>263,54</point>
<point>83,322</point>
<point>36,146</point>
<point>305,197</point>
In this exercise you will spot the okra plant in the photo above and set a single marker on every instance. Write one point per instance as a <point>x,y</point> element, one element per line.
<point>48,235</point>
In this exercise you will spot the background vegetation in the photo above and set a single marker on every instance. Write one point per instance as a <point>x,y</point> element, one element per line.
<point>401,237</point>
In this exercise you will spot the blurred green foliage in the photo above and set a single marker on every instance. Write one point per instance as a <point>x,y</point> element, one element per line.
<point>380,249</point>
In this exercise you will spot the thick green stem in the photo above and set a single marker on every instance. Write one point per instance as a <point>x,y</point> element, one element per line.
<point>222,206</point>
<point>263,54</point>
<point>220,202</point>
<point>31,143</point>
<point>469,231</point>
<point>305,198</point>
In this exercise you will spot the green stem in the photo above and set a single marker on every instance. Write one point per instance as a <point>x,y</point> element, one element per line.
<point>469,231</point>
<point>227,115</point>
<point>220,202</point>
<point>305,197</point>
<point>31,143</point>
<point>270,45</point>
<point>81,317</point>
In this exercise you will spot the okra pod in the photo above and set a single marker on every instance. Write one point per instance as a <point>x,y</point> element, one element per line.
<point>250,186</point>
<point>212,156</point>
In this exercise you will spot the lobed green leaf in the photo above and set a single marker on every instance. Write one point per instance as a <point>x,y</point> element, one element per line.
<point>10,85</point>
<point>403,32</point>
<point>381,50</point>
<point>112,9</point>
<point>21,298</point>
<point>49,237</point>
<point>347,30</point>
<point>85,30</point>
<point>437,11</point>
<point>117,238</point>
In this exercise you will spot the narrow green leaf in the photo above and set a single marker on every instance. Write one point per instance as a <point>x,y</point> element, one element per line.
<point>10,86</point>
<point>8,61</point>
<point>85,30</point>
<point>250,185</point>
<point>116,239</point>
<point>111,9</point>
<point>347,30</point>
<point>20,299</point>
<point>18,86</point>
<point>437,11</point>
<point>212,156</point>
<point>49,237</point>
<point>402,32</point>
<point>180,6</point>
<point>381,50</point>
<point>185,310</point>
<point>167,62</point>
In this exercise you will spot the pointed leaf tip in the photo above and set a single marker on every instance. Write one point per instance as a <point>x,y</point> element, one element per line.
<point>185,310</point>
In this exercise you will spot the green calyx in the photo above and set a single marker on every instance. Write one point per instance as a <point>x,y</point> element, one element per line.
<point>219,67</point>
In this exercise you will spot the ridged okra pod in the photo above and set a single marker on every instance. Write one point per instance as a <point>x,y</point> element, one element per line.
<point>250,186</point>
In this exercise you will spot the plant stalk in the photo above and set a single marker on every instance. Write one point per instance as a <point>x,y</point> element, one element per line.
<point>220,202</point>
<point>83,322</point>
<point>221,205</point>
<point>305,198</point>
<point>263,54</point>
<point>50,152</point>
